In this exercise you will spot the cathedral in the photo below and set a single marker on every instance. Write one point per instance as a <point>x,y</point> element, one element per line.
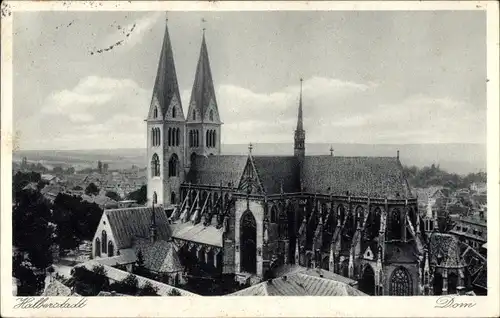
<point>247,216</point>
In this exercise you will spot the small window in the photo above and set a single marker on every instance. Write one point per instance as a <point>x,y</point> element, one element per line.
<point>211,115</point>
<point>174,112</point>
<point>194,114</point>
<point>155,112</point>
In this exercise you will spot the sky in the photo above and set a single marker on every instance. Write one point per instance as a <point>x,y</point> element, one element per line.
<point>394,77</point>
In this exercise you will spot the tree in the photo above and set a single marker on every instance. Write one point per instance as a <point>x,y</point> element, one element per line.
<point>89,282</point>
<point>29,283</point>
<point>31,227</point>
<point>139,195</point>
<point>174,292</point>
<point>129,285</point>
<point>113,195</point>
<point>21,179</point>
<point>58,170</point>
<point>148,290</point>
<point>99,166</point>
<point>70,170</point>
<point>92,189</point>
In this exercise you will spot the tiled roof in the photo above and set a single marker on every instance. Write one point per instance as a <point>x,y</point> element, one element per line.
<point>129,223</point>
<point>166,86</point>
<point>198,233</point>
<point>300,284</point>
<point>447,247</point>
<point>213,170</point>
<point>122,259</point>
<point>473,260</point>
<point>275,172</point>
<point>118,275</point>
<point>287,270</point>
<point>160,256</point>
<point>361,176</point>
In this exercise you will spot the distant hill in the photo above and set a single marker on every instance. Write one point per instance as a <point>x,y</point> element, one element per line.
<point>455,158</point>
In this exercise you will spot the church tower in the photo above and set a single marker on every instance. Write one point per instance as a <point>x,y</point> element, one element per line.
<point>300,134</point>
<point>165,130</point>
<point>203,122</point>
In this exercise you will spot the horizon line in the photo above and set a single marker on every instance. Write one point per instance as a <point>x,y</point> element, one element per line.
<point>275,143</point>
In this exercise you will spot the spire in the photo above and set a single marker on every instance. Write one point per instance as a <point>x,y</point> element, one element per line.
<point>203,94</point>
<point>166,87</point>
<point>300,125</point>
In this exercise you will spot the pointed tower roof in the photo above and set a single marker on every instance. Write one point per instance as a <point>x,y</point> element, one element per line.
<point>203,93</point>
<point>166,86</point>
<point>300,125</point>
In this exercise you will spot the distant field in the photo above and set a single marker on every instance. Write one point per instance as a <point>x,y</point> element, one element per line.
<point>456,158</point>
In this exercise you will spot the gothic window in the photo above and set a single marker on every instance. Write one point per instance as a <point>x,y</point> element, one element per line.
<point>153,137</point>
<point>104,239</point>
<point>248,239</point>
<point>155,198</point>
<point>207,138</point>
<point>274,214</point>
<point>174,112</point>
<point>177,137</point>
<point>197,138</point>
<point>155,166</point>
<point>172,197</point>
<point>158,138</point>
<point>194,114</point>
<point>193,157</point>
<point>170,136</point>
<point>173,166</point>
<point>155,112</point>
<point>395,229</point>
<point>400,283</point>
<point>340,213</point>
<point>214,135</point>
<point>452,283</point>
<point>360,215</point>
<point>190,138</point>
<point>211,115</point>
<point>97,247</point>
<point>111,249</point>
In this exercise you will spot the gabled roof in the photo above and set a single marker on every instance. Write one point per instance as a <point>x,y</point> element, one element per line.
<point>127,224</point>
<point>160,256</point>
<point>213,170</point>
<point>300,284</point>
<point>361,176</point>
<point>317,272</point>
<point>119,275</point>
<point>203,92</point>
<point>277,173</point>
<point>166,86</point>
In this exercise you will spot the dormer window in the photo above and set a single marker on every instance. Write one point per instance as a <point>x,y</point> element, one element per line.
<point>194,114</point>
<point>155,112</point>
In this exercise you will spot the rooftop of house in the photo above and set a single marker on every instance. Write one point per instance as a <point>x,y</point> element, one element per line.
<point>444,250</point>
<point>300,284</point>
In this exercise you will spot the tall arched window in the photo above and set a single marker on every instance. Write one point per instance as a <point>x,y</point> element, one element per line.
<point>155,112</point>
<point>173,166</point>
<point>207,138</point>
<point>341,213</point>
<point>155,166</point>
<point>211,115</point>
<point>196,138</point>
<point>172,197</point>
<point>190,138</point>
<point>97,247</point>
<point>104,239</point>
<point>158,139</point>
<point>400,283</point>
<point>274,214</point>
<point>177,137</point>
<point>395,229</point>
<point>174,112</point>
<point>169,137</point>
<point>111,249</point>
<point>194,114</point>
<point>214,134</point>
<point>153,137</point>
<point>248,240</point>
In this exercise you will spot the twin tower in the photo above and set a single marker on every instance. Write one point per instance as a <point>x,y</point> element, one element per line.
<point>174,139</point>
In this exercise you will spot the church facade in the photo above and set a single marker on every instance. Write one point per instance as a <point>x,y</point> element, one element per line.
<point>248,215</point>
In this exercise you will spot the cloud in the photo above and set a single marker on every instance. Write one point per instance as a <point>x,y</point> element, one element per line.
<point>109,113</point>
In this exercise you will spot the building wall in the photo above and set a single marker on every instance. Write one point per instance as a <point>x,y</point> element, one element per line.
<point>412,270</point>
<point>103,225</point>
<point>257,209</point>
<point>155,184</point>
